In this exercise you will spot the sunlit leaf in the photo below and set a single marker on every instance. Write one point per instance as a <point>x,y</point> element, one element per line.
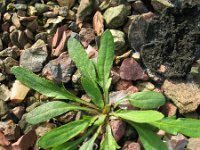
<point>139,116</point>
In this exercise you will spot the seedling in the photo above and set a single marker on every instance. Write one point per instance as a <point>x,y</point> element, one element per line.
<point>97,114</point>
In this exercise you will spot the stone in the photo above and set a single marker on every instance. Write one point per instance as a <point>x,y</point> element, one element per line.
<point>63,11</point>
<point>119,39</point>
<point>169,109</point>
<point>131,70</point>
<point>60,69</point>
<point>21,6</point>
<point>2,77</point>
<point>15,20</point>
<point>6,17</point>
<point>3,107</point>
<point>193,144</point>
<point>26,141</point>
<point>87,35</point>
<point>85,9</point>
<point>44,128</point>
<point>18,111</point>
<point>41,8</point>
<point>115,17</point>
<point>91,51</point>
<point>1,45</point>
<point>9,62</point>
<point>34,57</point>
<point>10,130</point>
<point>9,52</point>
<point>130,145</point>
<point>42,35</point>
<point>186,96</point>
<point>18,92</point>
<point>137,31</point>
<point>3,140</point>
<point>118,128</point>
<point>68,3</point>
<point>67,117</point>
<point>177,142</point>
<point>98,23</point>
<point>122,85</point>
<point>139,7</point>
<point>115,75</point>
<point>50,14</point>
<point>160,5</point>
<point>32,25</point>
<point>145,86</point>
<point>136,55</point>
<point>4,93</point>
<point>59,41</point>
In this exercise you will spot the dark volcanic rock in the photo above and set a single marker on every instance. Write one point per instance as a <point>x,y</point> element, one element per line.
<point>172,41</point>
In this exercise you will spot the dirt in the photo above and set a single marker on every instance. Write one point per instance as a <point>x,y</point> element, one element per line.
<point>173,42</point>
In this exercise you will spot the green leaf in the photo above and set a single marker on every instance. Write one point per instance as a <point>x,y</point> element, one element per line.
<point>100,120</point>
<point>188,127</point>
<point>139,116</point>
<point>80,58</point>
<point>148,138</point>
<point>105,58</point>
<point>72,145</point>
<point>89,144</point>
<point>147,99</point>
<point>64,133</point>
<point>108,142</point>
<point>41,85</point>
<point>93,91</point>
<point>50,110</point>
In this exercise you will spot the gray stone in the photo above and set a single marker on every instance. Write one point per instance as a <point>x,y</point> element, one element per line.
<point>119,39</point>
<point>63,11</point>
<point>42,36</point>
<point>131,145</point>
<point>9,62</point>
<point>9,52</point>
<point>3,107</point>
<point>177,142</point>
<point>137,31</point>
<point>41,8</point>
<point>186,96</point>
<point>4,93</point>
<point>85,9</point>
<point>116,16</point>
<point>60,69</point>
<point>34,57</point>
<point>21,6</point>
<point>2,77</point>
<point>160,5</point>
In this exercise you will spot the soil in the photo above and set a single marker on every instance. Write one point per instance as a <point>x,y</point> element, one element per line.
<point>173,41</point>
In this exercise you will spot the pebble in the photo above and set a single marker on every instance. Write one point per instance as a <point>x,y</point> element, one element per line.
<point>4,93</point>
<point>63,11</point>
<point>18,111</point>
<point>186,96</point>
<point>3,140</point>
<point>98,23</point>
<point>18,92</point>
<point>41,8</point>
<point>118,128</point>
<point>68,3</point>
<point>119,39</point>
<point>122,85</point>
<point>9,52</point>
<point>34,57</point>
<point>145,86</point>
<point>44,128</point>
<point>131,145</point>
<point>15,20</point>
<point>193,144</point>
<point>131,70</point>
<point>26,141</point>
<point>160,5</point>
<point>3,107</point>
<point>116,16</point>
<point>21,6</point>
<point>60,69</point>
<point>1,45</point>
<point>2,77</point>
<point>136,55</point>
<point>9,62</point>
<point>139,7</point>
<point>87,35</point>
<point>169,109</point>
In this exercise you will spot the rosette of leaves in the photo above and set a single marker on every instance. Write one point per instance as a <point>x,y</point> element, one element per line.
<point>96,82</point>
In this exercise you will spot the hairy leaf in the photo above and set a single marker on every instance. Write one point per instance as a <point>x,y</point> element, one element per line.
<point>93,91</point>
<point>89,144</point>
<point>41,85</point>
<point>139,116</point>
<point>72,145</point>
<point>105,58</point>
<point>189,127</point>
<point>50,110</point>
<point>108,142</point>
<point>80,57</point>
<point>148,138</point>
<point>147,99</point>
<point>64,133</point>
